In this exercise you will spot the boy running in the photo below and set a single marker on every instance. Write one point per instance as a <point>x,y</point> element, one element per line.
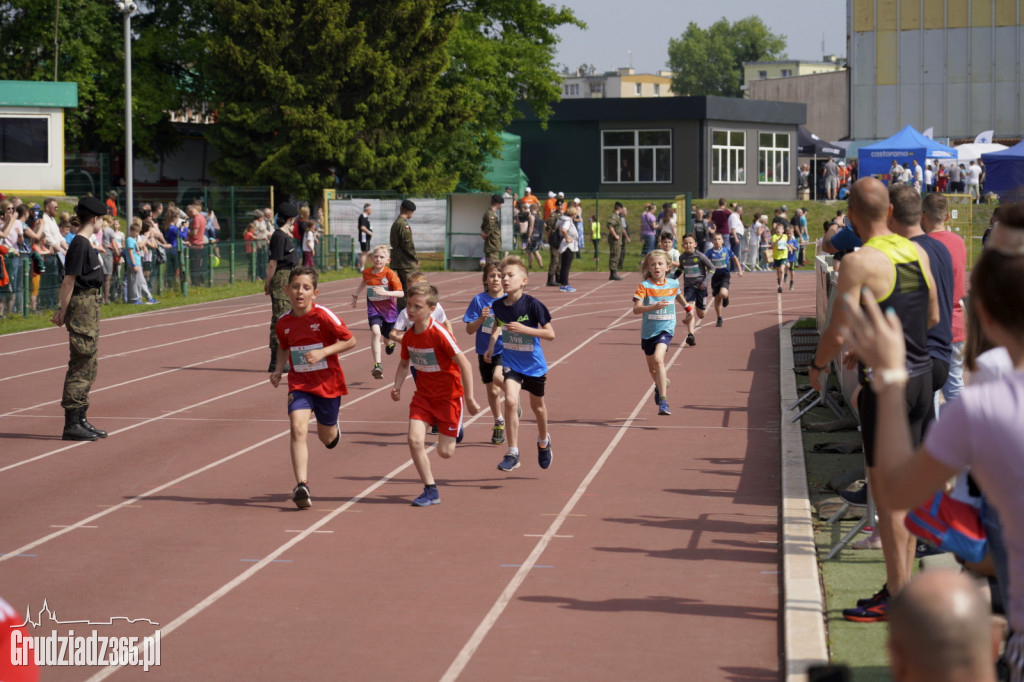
<point>480,321</point>
<point>721,256</point>
<point>696,271</point>
<point>522,322</point>
<point>655,299</point>
<point>794,249</point>
<point>402,322</point>
<point>309,338</point>
<point>780,252</point>
<point>443,375</point>
<point>383,288</point>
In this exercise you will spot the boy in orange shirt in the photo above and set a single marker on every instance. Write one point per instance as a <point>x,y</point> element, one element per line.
<point>383,289</point>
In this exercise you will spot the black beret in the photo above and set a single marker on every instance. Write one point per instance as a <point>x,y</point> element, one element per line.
<point>90,205</point>
<point>497,199</point>
<point>408,205</point>
<point>287,210</point>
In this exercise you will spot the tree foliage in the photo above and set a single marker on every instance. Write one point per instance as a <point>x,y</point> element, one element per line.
<point>710,61</point>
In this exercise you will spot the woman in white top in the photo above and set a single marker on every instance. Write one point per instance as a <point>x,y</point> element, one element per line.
<point>569,246</point>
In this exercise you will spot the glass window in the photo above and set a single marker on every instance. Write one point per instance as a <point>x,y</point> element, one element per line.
<point>787,72</point>
<point>773,157</point>
<point>762,74</point>
<point>636,156</point>
<point>639,88</point>
<point>657,89</point>
<point>728,156</point>
<point>24,140</point>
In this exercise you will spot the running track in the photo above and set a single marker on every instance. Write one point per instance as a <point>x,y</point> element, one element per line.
<point>647,551</point>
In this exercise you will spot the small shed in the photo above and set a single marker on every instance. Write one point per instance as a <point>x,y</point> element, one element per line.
<point>32,135</point>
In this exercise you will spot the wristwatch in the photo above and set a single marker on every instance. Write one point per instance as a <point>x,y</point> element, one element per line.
<point>815,367</point>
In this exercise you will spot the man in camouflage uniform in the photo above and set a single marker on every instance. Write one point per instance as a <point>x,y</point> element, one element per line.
<point>490,231</point>
<point>555,264</point>
<point>283,256</point>
<point>615,239</point>
<point>403,252</point>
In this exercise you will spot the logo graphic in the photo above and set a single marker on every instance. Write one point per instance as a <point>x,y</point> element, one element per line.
<point>315,326</point>
<point>93,649</point>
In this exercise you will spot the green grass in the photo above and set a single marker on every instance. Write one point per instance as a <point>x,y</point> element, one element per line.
<point>168,299</point>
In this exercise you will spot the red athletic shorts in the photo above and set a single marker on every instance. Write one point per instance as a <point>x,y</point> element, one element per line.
<point>446,414</point>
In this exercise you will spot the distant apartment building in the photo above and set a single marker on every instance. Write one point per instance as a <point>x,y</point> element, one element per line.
<point>759,71</point>
<point>615,84</point>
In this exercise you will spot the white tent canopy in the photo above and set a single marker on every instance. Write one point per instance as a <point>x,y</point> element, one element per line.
<point>972,151</point>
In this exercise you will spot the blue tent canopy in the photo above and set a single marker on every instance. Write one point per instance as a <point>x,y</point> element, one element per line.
<point>906,146</point>
<point>1004,172</point>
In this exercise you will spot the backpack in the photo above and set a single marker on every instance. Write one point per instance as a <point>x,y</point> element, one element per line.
<point>951,525</point>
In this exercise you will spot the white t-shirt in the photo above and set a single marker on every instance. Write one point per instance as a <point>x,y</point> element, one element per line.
<point>929,176</point>
<point>974,174</point>
<point>11,240</point>
<point>402,321</point>
<point>50,231</point>
<point>308,240</point>
<point>736,224</point>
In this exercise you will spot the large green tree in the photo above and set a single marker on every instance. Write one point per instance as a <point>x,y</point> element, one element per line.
<point>710,61</point>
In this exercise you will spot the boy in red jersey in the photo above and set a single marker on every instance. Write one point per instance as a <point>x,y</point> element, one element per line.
<point>443,375</point>
<point>383,289</point>
<point>309,339</point>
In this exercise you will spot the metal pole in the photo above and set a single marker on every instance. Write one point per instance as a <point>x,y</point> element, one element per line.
<point>56,41</point>
<point>128,174</point>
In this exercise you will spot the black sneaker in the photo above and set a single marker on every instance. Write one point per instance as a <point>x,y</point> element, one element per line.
<point>725,302</point>
<point>877,598</point>
<point>719,323</point>
<point>337,436</point>
<point>791,284</point>
<point>780,288</point>
<point>690,341</point>
<point>544,454</point>
<point>389,349</point>
<point>857,498</point>
<point>300,496</point>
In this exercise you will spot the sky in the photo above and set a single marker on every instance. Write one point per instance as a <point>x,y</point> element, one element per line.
<point>615,27</point>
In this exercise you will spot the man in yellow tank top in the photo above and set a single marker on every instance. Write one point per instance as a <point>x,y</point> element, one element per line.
<point>897,273</point>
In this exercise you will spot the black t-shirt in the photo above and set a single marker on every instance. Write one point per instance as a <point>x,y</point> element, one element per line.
<point>364,221</point>
<point>83,262</point>
<point>282,250</point>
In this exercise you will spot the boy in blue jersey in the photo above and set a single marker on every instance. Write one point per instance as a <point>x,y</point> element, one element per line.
<point>522,322</point>
<point>480,321</point>
<point>655,299</point>
<point>720,256</point>
<point>794,248</point>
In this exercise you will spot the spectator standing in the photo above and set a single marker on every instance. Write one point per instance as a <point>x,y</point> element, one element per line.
<point>830,174</point>
<point>490,230</point>
<point>615,240</point>
<point>49,231</point>
<point>974,181</point>
<point>12,237</point>
<point>197,245</point>
<point>569,245</point>
<point>553,239</point>
<point>403,251</point>
<point>720,219</point>
<point>700,231</point>
<point>737,234</point>
<point>648,229</point>
<point>365,235</point>
<point>111,203</point>
<point>954,176</point>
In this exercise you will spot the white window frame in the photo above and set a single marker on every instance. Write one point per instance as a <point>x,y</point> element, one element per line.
<point>735,157</point>
<point>786,73</point>
<point>638,89</point>
<point>773,155</point>
<point>636,148</point>
<point>657,89</point>
<point>762,75</point>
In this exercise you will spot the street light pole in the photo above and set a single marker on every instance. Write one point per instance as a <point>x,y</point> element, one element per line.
<point>126,8</point>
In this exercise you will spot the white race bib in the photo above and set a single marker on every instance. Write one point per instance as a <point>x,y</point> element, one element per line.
<point>299,363</point>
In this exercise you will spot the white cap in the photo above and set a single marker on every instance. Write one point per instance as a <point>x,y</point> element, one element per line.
<point>576,200</point>
<point>561,195</point>
<point>551,195</point>
<point>842,163</point>
<point>529,189</point>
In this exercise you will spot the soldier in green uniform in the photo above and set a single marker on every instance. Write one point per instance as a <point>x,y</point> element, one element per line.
<point>551,233</point>
<point>615,237</point>
<point>490,231</point>
<point>79,311</point>
<point>282,257</point>
<point>403,252</point>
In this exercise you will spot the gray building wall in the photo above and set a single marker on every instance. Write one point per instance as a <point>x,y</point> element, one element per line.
<point>827,96</point>
<point>751,188</point>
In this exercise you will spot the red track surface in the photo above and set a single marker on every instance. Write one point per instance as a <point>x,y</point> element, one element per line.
<point>647,551</point>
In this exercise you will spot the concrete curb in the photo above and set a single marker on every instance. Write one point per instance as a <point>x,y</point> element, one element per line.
<point>803,600</point>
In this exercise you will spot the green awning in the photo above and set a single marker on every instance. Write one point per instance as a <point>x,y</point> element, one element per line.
<point>38,94</point>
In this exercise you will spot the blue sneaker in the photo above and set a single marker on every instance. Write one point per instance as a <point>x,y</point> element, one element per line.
<point>462,434</point>
<point>428,497</point>
<point>152,301</point>
<point>663,407</point>
<point>567,289</point>
<point>544,454</point>
<point>508,462</point>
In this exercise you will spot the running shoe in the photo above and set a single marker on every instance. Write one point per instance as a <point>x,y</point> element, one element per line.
<point>152,301</point>
<point>857,498</point>
<point>337,436</point>
<point>300,496</point>
<point>377,371</point>
<point>544,454</point>
<point>780,288</point>
<point>877,598</point>
<point>389,349</point>
<point>462,434</point>
<point>428,497</point>
<point>791,284</point>
<point>498,433</point>
<point>663,407</point>
<point>433,430</point>
<point>508,462</point>
<point>690,341</point>
<point>876,613</point>
<point>719,323</point>
<point>567,289</point>
<point>725,302</point>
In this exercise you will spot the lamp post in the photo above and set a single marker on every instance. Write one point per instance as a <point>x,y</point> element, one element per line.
<point>126,9</point>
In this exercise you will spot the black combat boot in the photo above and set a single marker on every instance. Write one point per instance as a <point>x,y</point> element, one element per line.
<point>85,422</point>
<point>73,429</point>
<point>552,282</point>
<point>614,276</point>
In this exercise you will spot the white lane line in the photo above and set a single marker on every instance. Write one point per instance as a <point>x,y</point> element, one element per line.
<point>477,638</point>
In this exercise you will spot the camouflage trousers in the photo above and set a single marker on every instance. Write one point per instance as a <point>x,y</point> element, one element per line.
<point>82,320</point>
<point>280,304</point>
<point>614,254</point>
<point>554,263</point>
